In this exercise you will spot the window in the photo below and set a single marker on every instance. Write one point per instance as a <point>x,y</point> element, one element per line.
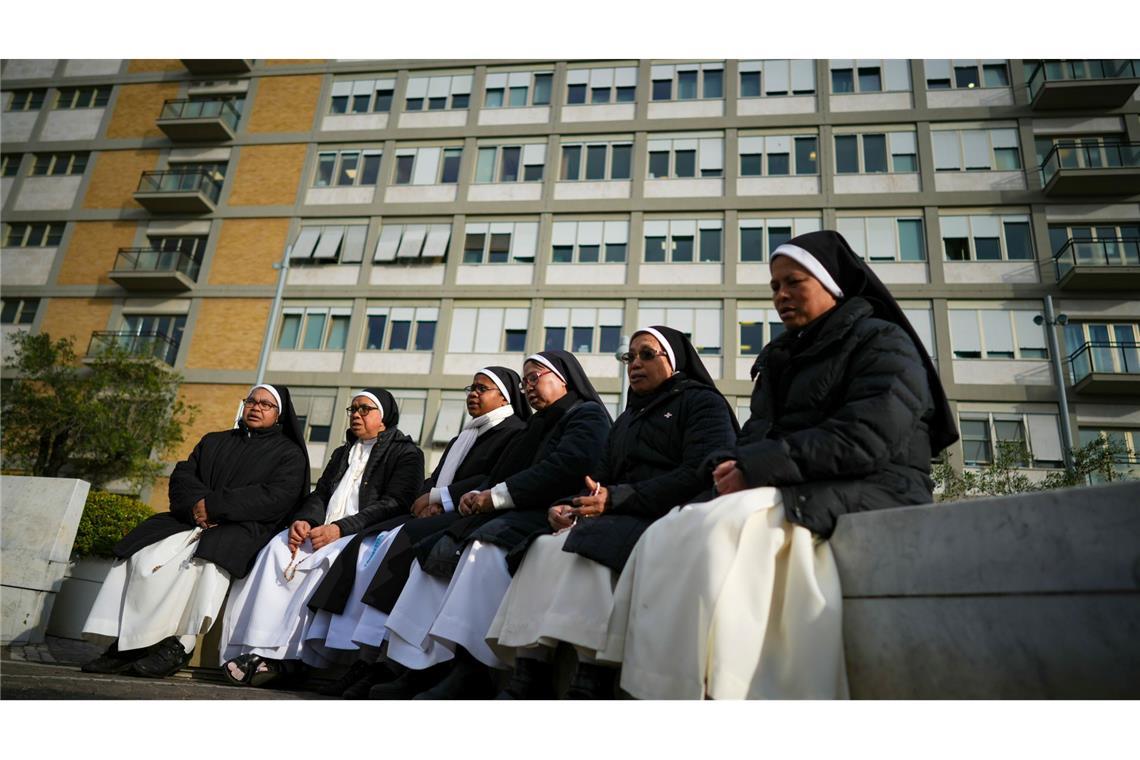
<point>315,411</point>
<point>884,238</point>
<point>179,252</point>
<point>10,164</point>
<point>157,335</point>
<point>776,78</point>
<point>683,240</point>
<point>757,328</point>
<point>1128,439</point>
<point>26,100</point>
<point>499,242</point>
<point>891,75</point>
<point>595,161</point>
<point>347,168</point>
<point>996,334</point>
<point>922,320</point>
<point>589,242</point>
<point>362,96</point>
<point>19,311</point>
<point>781,155</point>
<point>488,330</point>
<point>1112,347</point>
<point>590,330</point>
<point>986,238</point>
<point>413,404</point>
<point>83,97</point>
<point>700,322</point>
<point>1101,244</point>
<point>944,74</point>
<point>408,242</point>
<point>59,164</point>
<point>401,328</point>
<point>984,433</point>
<point>976,150</point>
<point>33,235</point>
<point>600,86</point>
<point>438,93</point>
<point>868,153</point>
<point>684,157</point>
<point>517,89</point>
<point>329,243</point>
<point>511,163</point>
<point>687,81</point>
<point>316,328</point>
<point>759,237</point>
<point>422,166</point>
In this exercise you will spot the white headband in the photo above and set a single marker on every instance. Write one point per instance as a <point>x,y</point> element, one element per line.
<point>545,362</point>
<point>664,344</point>
<point>273,391</point>
<point>810,263</point>
<point>366,394</point>
<point>498,382</point>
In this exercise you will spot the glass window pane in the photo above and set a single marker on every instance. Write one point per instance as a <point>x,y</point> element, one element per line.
<point>510,169</point>
<point>609,339</point>
<point>290,327</point>
<point>846,154</point>
<point>615,253</point>
<point>494,98</point>
<point>383,101</point>
<point>596,162</point>
<point>374,339</point>
<point>874,153</point>
<point>314,331</point>
<point>371,169</point>
<point>658,164</point>
<point>662,89</point>
<point>714,84</point>
<point>777,236</point>
<point>348,162</point>
<point>575,94</point>
<point>620,161</point>
<point>404,169</point>
<point>338,333</point>
<point>777,164</point>
<point>626,94</point>
<point>582,339</point>
<point>518,96</point>
<point>987,249</point>
<point>749,84</point>
<point>542,89</point>
<point>588,254</point>
<point>710,245</point>
<point>1007,159</point>
<point>532,173</point>
<point>450,173</point>
<point>339,104</point>
<point>806,155</point>
<point>515,340</point>
<point>654,249</point>
<point>842,80</point>
<point>957,249</point>
<point>360,103</point>
<point>325,164</point>
<point>682,248</point>
<point>996,75</point>
<point>414,104</point>
<point>562,254</point>
<point>571,158</point>
<point>485,167</point>
<point>460,100</point>
<point>910,240</point>
<point>686,163</point>
<point>600,95</point>
<point>555,339</point>
<point>437,104</point>
<point>401,331</point>
<point>752,165</point>
<point>686,85</point>
<point>1017,243</point>
<point>751,244</point>
<point>751,337</point>
<point>473,248</point>
<point>500,248</point>
<point>870,80</point>
<point>904,162</point>
<point>966,77</point>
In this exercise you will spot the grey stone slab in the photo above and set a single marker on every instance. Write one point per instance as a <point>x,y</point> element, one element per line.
<point>1083,539</point>
<point>1057,646</point>
<point>41,516</point>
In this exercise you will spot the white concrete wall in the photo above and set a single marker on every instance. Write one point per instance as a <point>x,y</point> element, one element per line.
<point>1002,372</point>
<point>47,193</point>
<point>505,191</point>
<point>990,271</point>
<point>808,185</point>
<point>872,101</point>
<point>532,115</point>
<point>319,196</point>
<point>327,274</point>
<point>901,272</point>
<point>947,182</point>
<point>306,361</point>
<point>90,67</point>
<point>420,194</point>
<point>495,274</point>
<point>396,274</point>
<point>585,274</point>
<point>877,183</point>
<point>677,274</point>
<point>701,187</point>
<point>26,266</point>
<point>16,126</point>
<point>29,68</point>
<point>343,122</point>
<point>576,191</point>
<point>771,106</point>
<point>393,362</point>
<point>686,109</point>
<point>429,119</point>
<point>997,96</point>
<point>465,364</point>
<point>603,112</point>
<point>77,124</point>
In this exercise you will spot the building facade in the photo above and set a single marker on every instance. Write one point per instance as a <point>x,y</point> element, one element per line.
<point>439,216</point>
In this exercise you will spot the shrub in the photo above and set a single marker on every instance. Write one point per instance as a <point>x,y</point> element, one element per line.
<point>107,517</point>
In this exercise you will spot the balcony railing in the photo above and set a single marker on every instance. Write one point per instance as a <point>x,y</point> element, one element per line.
<point>1112,252</point>
<point>1080,70</point>
<point>1104,357</point>
<point>182,181</point>
<point>210,119</point>
<point>1091,167</point>
<point>147,345</point>
<point>154,260</point>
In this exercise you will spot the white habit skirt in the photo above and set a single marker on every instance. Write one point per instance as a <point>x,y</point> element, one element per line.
<point>432,616</point>
<point>267,615</point>
<point>161,590</point>
<point>555,596</point>
<point>729,600</point>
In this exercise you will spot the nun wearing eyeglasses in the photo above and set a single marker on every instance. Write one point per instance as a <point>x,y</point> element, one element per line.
<point>371,478</point>
<point>437,627</point>
<point>739,597</point>
<point>563,591</point>
<point>497,412</point>
<point>227,499</point>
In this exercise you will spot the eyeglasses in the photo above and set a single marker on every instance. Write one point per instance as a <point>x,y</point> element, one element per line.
<point>264,406</point>
<point>479,390</point>
<point>532,378</point>
<point>362,409</point>
<point>645,354</point>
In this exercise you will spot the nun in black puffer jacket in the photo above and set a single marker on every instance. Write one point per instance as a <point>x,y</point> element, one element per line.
<point>738,597</point>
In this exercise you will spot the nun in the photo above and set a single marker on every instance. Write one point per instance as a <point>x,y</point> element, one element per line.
<point>563,591</point>
<point>739,597</point>
<point>436,631</point>
<point>497,412</point>
<point>371,478</point>
<point>173,570</point>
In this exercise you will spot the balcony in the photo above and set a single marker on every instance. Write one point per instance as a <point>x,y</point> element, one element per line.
<point>149,269</point>
<point>211,66</point>
<point>1099,264</point>
<point>1106,369</point>
<point>1090,167</point>
<point>180,191</point>
<point>144,345</point>
<point>1082,84</point>
<point>199,120</point>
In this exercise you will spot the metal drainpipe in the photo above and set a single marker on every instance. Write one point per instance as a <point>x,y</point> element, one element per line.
<point>282,268</point>
<point>1059,376</point>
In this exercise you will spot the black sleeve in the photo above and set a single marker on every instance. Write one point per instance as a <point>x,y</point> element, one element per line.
<point>267,501</point>
<point>399,491</point>
<point>185,488</point>
<point>430,481</point>
<point>561,471</point>
<point>312,507</point>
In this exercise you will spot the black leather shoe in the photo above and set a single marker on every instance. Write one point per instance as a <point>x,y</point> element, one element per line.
<point>356,671</point>
<point>377,673</point>
<point>114,661</point>
<point>592,681</point>
<point>164,659</point>
<point>532,679</point>
<point>409,684</point>
<point>468,679</point>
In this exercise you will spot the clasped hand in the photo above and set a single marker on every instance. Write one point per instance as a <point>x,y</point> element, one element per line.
<point>474,502</point>
<point>322,535</point>
<point>562,516</point>
<point>729,478</point>
<point>201,519</point>
<point>423,506</point>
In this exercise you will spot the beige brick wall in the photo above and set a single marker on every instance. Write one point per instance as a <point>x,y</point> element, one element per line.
<point>247,250</point>
<point>267,175</point>
<point>285,104</point>
<point>158,500</point>
<point>91,253</point>
<point>137,109</point>
<point>228,333</point>
<point>216,407</point>
<point>76,318</point>
<point>143,65</point>
<point>115,177</point>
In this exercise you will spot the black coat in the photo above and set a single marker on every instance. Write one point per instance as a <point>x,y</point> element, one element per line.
<point>651,463</point>
<point>251,481</point>
<point>389,485</point>
<point>481,457</point>
<point>852,431</point>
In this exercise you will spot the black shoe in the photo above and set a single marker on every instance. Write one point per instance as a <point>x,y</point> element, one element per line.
<point>164,659</point>
<point>592,682</point>
<point>114,661</point>
<point>532,679</point>
<point>377,672</point>
<point>468,679</point>
<point>356,671</point>
<point>409,684</point>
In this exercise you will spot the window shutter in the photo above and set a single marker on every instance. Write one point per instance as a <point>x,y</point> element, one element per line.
<point>489,335</point>
<point>625,76</point>
<point>712,153</point>
<point>524,241</point>
<point>439,87</point>
<point>417,87</point>
<point>616,232</point>
<point>803,75</point>
<point>1044,437</point>
<point>995,327</point>
<point>496,81</point>
<point>937,68</point>
<point>388,243</point>
<point>776,76</point>
<point>413,240</point>
<point>462,336</point>
<point>964,330</point>
<point>330,242</point>
<point>578,76</point>
<point>601,77</point>
<point>946,154</point>
<point>353,250</point>
<point>853,229</point>
<point>306,241</point>
<point>564,233</point>
<point>426,167</point>
<point>461,84</point>
<point>896,78</point>
<point>435,247</point>
<point>977,148</point>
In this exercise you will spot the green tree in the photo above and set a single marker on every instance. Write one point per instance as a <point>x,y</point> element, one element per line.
<point>105,421</point>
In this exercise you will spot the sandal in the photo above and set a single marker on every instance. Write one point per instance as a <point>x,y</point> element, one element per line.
<point>262,672</point>
<point>246,664</point>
